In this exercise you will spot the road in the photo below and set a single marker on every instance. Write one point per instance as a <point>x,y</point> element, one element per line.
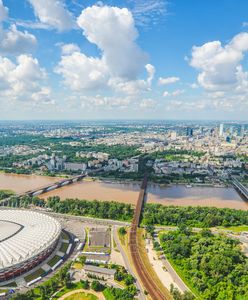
<point>127,263</point>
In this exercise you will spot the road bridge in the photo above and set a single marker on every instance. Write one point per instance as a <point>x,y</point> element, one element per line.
<point>44,189</point>
<point>241,189</point>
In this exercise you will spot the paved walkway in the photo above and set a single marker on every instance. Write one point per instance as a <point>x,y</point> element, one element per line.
<point>99,295</point>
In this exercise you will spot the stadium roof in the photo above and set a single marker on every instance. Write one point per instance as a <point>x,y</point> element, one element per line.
<point>24,234</point>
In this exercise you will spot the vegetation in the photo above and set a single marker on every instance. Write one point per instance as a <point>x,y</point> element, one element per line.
<point>5,194</point>
<point>98,209</point>
<point>111,293</point>
<point>81,296</point>
<point>122,231</point>
<point>34,275</point>
<point>122,275</point>
<point>47,289</point>
<point>212,265</point>
<point>157,214</point>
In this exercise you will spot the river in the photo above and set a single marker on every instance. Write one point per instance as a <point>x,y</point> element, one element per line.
<point>128,192</point>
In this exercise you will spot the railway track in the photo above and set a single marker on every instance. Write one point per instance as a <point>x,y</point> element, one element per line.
<point>146,278</point>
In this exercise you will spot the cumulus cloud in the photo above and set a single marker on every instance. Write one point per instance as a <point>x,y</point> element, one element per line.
<point>81,72</point>
<point>133,87</point>
<point>167,80</point>
<point>14,41</point>
<point>174,93</point>
<point>113,31</point>
<point>220,66</point>
<point>21,80</point>
<point>148,103</point>
<point>69,48</point>
<point>53,14</point>
<point>3,12</point>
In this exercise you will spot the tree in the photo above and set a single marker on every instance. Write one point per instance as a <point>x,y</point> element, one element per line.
<point>85,284</point>
<point>122,231</point>
<point>97,286</point>
<point>129,279</point>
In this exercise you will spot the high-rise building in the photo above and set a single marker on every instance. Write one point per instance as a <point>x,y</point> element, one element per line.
<point>189,131</point>
<point>221,129</point>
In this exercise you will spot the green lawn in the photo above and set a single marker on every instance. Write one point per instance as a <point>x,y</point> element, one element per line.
<point>54,260</point>
<point>65,236</point>
<point>11,284</point>
<point>236,229</point>
<point>82,296</point>
<point>63,247</point>
<point>108,295</point>
<point>34,275</point>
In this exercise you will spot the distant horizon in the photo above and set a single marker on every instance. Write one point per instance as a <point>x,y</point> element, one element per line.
<point>127,120</point>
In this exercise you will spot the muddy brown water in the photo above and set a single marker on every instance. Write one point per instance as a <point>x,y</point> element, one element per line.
<point>128,192</point>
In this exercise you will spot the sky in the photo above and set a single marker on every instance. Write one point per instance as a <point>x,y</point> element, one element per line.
<point>130,59</point>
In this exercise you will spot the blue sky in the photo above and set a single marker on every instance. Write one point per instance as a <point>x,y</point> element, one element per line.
<point>153,59</point>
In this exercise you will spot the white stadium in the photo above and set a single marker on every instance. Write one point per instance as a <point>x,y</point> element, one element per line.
<point>26,239</point>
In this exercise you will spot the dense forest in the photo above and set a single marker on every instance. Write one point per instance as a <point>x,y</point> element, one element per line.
<point>157,214</point>
<point>153,214</point>
<point>98,209</point>
<point>212,265</point>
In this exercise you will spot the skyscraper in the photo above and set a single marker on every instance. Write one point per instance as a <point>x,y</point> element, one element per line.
<point>189,131</point>
<point>221,129</point>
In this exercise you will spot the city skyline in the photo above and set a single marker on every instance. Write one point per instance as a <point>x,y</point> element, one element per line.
<point>123,60</point>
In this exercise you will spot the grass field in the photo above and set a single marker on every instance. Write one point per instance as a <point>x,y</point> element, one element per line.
<point>54,260</point>
<point>65,236</point>
<point>236,229</point>
<point>34,275</point>
<point>108,295</point>
<point>81,296</point>
<point>64,247</point>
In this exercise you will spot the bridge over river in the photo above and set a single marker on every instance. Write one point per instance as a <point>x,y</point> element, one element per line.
<point>46,188</point>
<point>241,189</point>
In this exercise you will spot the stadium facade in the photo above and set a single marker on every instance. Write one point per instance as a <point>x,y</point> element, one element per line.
<point>26,239</point>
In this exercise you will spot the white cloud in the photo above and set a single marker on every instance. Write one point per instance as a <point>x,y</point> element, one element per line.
<point>69,48</point>
<point>121,61</point>
<point>53,13</point>
<point>168,80</point>
<point>112,30</point>
<point>194,85</point>
<point>133,87</point>
<point>22,80</point>
<point>245,24</point>
<point>219,65</point>
<point>14,41</point>
<point>3,12</point>
<point>148,103</point>
<point>174,93</point>
<point>83,73</point>
<point>104,102</point>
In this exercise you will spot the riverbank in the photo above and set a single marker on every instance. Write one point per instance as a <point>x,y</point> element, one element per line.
<point>127,192</point>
